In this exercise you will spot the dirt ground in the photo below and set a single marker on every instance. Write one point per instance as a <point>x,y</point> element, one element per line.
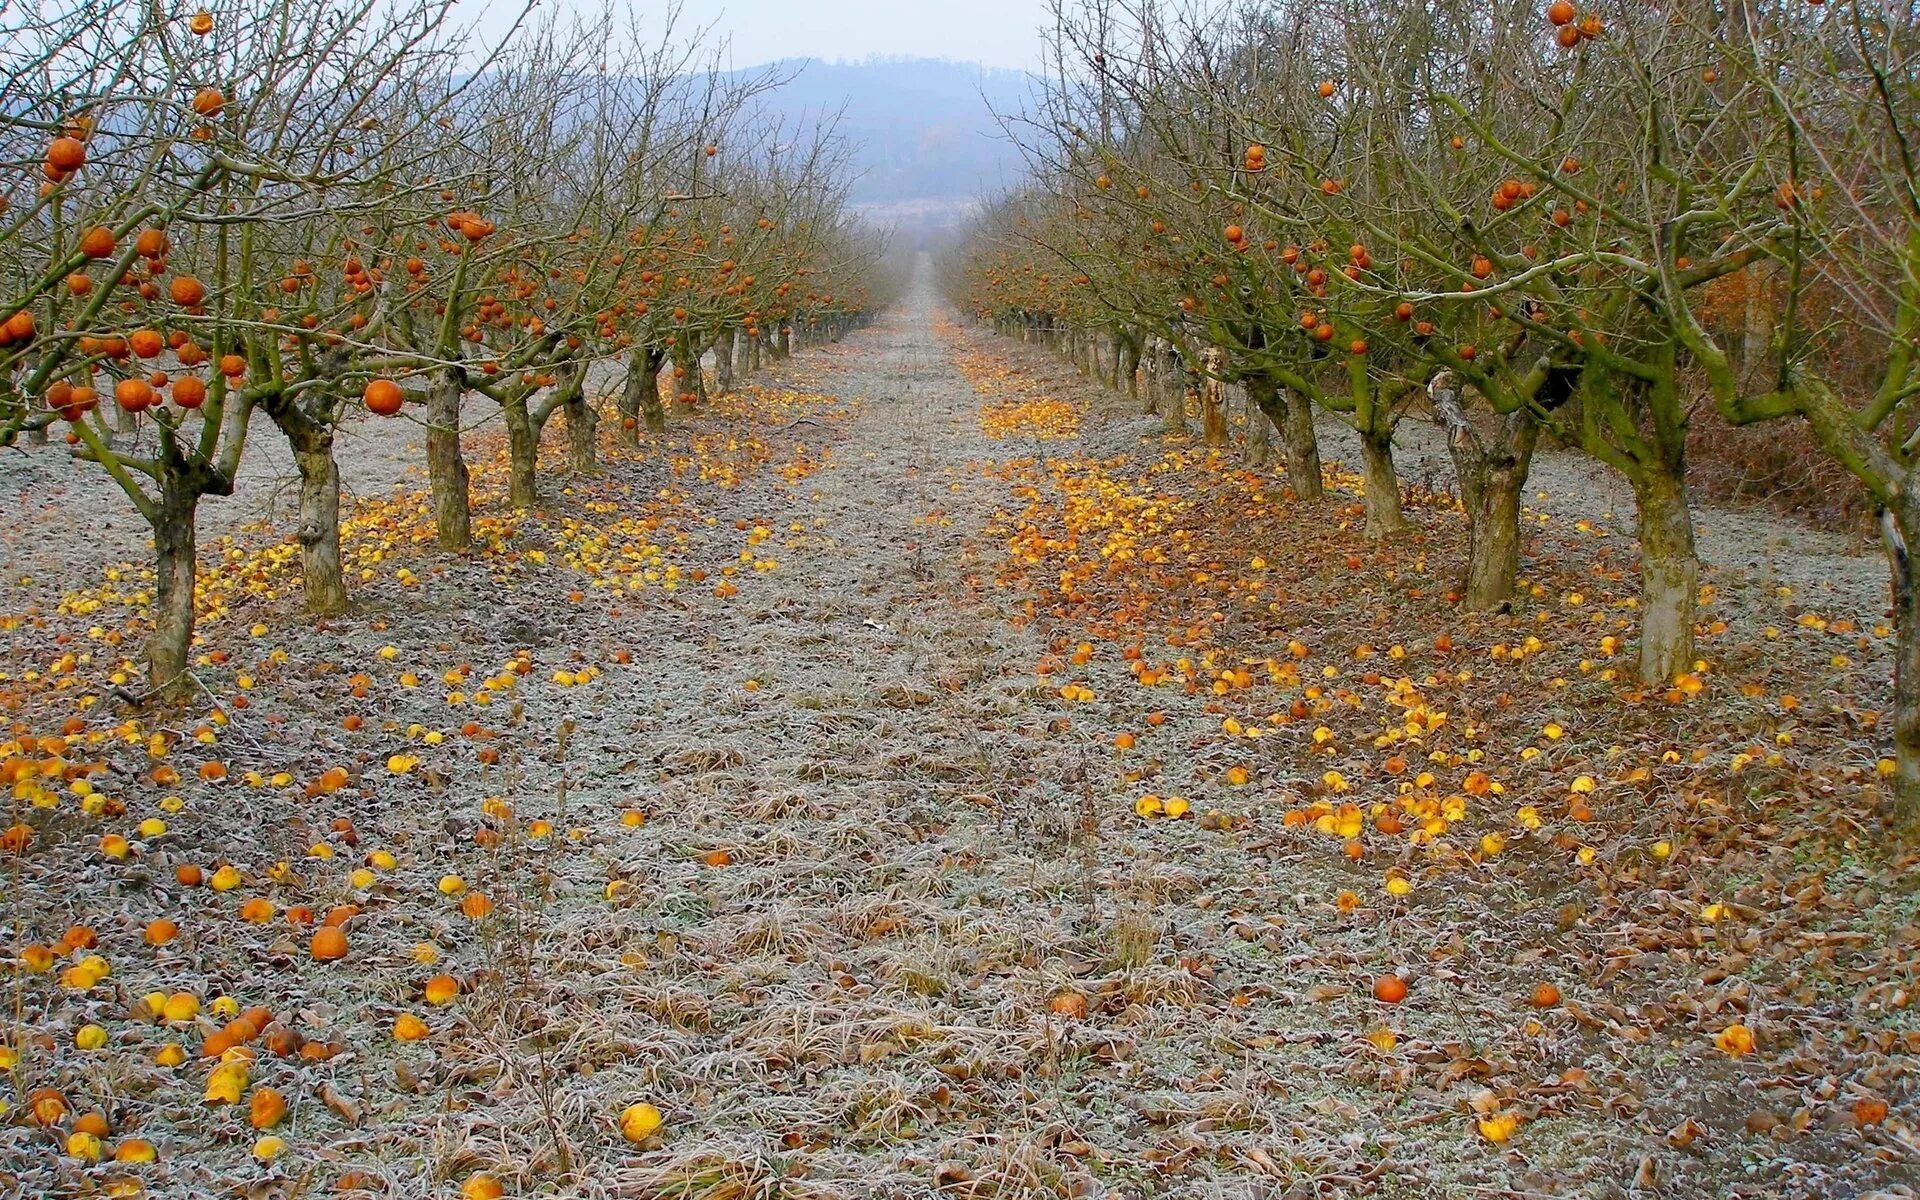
<point>802,763</point>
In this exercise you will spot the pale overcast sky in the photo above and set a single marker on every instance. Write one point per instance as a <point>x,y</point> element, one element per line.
<point>996,33</point>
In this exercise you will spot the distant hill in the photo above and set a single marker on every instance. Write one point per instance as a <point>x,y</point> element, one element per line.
<point>926,141</point>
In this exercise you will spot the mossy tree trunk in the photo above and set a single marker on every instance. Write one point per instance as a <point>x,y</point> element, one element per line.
<point>447,476</point>
<point>1491,473</point>
<point>639,403</point>
<point>1381,484</point>
<point>1292,415</point>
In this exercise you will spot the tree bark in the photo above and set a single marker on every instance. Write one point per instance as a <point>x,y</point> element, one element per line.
<point>1669,576</point>
<point>1490,479</point>
<point>653,414</point>
<point>1153,394</point>
<point>640,399</point>
<point>1381,484</point>
<point>1897,524</point>
<point>174,546</point>
<point>723,361</point>
<point>1301,446</point>
<point>583,451</point>
<point>523,451</point>
<point>1293,416</point>
<point>447,477</point>
<point>1213,397</point>
<point>319,530</point>
<point>309,430</point>
<point>1259,447</point>
<point>1180,388</point>
<point>783,343</point>
<point>1490,494</point>
<point>1128,366</point>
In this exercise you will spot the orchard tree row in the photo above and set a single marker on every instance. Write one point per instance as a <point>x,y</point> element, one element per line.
<point>1597,222</point>
<point>313,209</point>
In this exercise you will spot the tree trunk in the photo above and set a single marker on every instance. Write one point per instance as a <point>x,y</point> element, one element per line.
<point>1259,447</point>
<point>1154,369</point>
<point>653,414</point>
<point>723,361</point>
<point>1128,366</point>
<point>1179,392</point>
<point>753,354</point>
<point>1213,398</point>
<point>1669,576</point>
<point>319,529</point>
<point>627,407</point>
<point>1381,484</point>
<point>1490,479</point>
<point>174,548</point>
<point>1301,446</point>
<point>1490,494</point>
<point>446,469</point>
<point>783,345</point>
<point>1293,416</point>
<point>1895,527</point>
<point>582,423</point>
<point>523,452</point>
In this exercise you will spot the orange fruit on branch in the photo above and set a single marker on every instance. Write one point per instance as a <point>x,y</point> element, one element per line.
<point>189,392</point>
<point>384,397</point>
<point>187,291</point>
<point>133,395</point>
<point>66,154</point>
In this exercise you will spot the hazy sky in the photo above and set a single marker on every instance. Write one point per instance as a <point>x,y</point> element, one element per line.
<point>997,33</point>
